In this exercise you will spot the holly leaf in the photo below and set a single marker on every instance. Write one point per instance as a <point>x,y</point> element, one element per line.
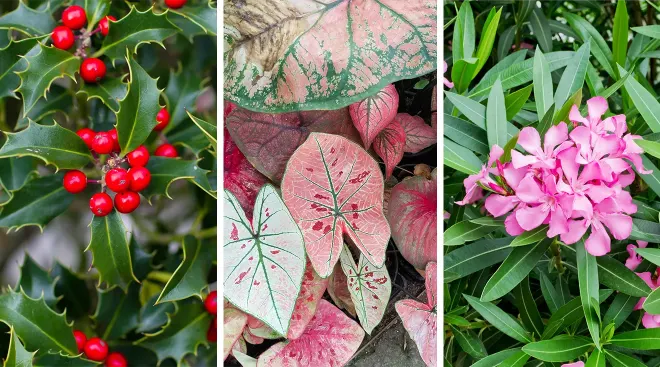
<point>61,360</point>
<point>95,10</point>
<point>36,282</point>
<point>190,276</point>
<point>72,290</point>
<point>264,259</point>
<point>164,171</point>
<point>53,144</point>
<point>419,135</point>
<point>140,259</point>
<point>185,332</point>
<point>59,99</point>
<point>42,69</point>
<point>28,21</point>
<point>133,30</point>
<point>117,311</point>
<point>371,115</point>
<point>39,327</point>
<point>154,316</point>
<point>189,136</point>
<point>182,90</point>
<point>36,204</point>
<point>136,117</point>
<point>311,291</point>
<point>110,251</point>
<point>11,61</point>
<point>109,91</point>
<point>389,145</point>
<point>16,172</point>
<point>334,187</point>
<point>210,130</point>
<point>17,356</point>
<point>369,286</point>
<point>194,20</point>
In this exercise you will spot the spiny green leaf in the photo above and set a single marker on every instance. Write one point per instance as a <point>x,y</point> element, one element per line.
<point>95,10</point>
<point>189,136</point>
<point>154,316</point>
<point>36,282</point>
<point>210,130</point>
<point>11,61</point>
<point>189,279</point>
<point>61,360</point>
<point>195,19</point>
<point>109,91</point>
<point>117,312</point>
<point>17,356</point>
<point>59,99</point>
<point>164,171</point>
<point>16,172</point>
<point>73,290</point>
<point>28,21</point>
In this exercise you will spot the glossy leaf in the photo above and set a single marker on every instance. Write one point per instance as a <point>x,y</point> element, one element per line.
<point>530,237</point>
<point>644,101</point>
<point>560,349</point>
<point>68,287</point>
<point>588,280</point>
<point>94,9</point>
<point>183,89</point>
<point>642,339</point>
<point>541,28</point>
<point>11,62</point>
<point>568,314</point>
<point>469,342</point>
<point>475,256</point>
<point>338,290</point>
<point>543,90</point>
<point>487,39</point>
<point>419,135</point>
<point>234,321</point>
<point>240,177</point>
<point>210,130</point>
<point>153,316</point>
<point>194,20</point>
<point>17,356</point>
<point>264,72</point>
<point>36,282</point>
<point>117,311</point>
<point>465,231</point>
<point>620,34</point>
<point>499,319</point>
<point>59,99</point>
<point>515,101</point>
<point>333,187</point>
<point>264,259</point>
<point>189,278</point>
<point>311,291</point>
<point>620,308</point>
<point>389,145</point>
<point>496,359</point>
<point>529,312</point>
<point>460,158</point>
<point>618,359</point>
<point>496,116</point>
<point>371,115</point>
<point>28,21</point>
<point>59,359</point>
<point>164,171</point>
<point>109,91</point>
<point>16,172</point>
<point>600,48</point>
<point>466,134</point>
<point>573,77</point>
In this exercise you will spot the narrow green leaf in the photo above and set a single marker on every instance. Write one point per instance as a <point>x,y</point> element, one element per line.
<point>469,342</point>
<point>541,29</point>
<point>596,359</point>
<point>644,101</point>
<point>464,35</point>
<point>110,252</point>
<point>645,230</point>
<point>499,319</point>
<point>618,359</point>
<point>210,130</point>
<point>475,256</point>
<point>456,320</point>
<point>496,359</point>
<point>642,339</point>
<point>652,303</point>
<point>550,295</point>
<point>650,254</point>
<point>459,158</point>
<point>620,34</point>
<point>529,312</point>
<point>562,114</point>
<point>487,39</point>
<point>462,73</point>
<point>496,116</point>
<point>189,279</point>
<point>620,308</point>
<point>650,147</point>
<point>465,231</point>
<point>543,90</point>
<point>473,110</point>
<point>533,236</point>
<point>569,314</point>
<point>546,122</point>
<point>652,31</point>
<point>563,348</point>
<point>506,42</point>
<point>573,77</point>
<point>515,101</point>
<point>588,280</point>
<point>599,49</point>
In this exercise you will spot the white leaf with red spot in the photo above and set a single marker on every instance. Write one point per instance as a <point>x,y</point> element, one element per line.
<point>245,360</point>
<point>311,291</point>
<point>240,177</point>
<point>334,187</point>
<point>234,323</point>
<point>240,346</point>
<point>371,115</point>
<point>419,135</point>
<point>338,290</point>
<point>389,145</point>
<point>413,217</point>
<point>263,331</point>
<point>330,340</point>
<point>370,289</point>
<point>420,320</point>
<point>264,259</point>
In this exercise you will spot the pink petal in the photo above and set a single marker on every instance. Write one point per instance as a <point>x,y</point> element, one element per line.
<point>529,139</point>
<point>495,153</point>
<point>599,242</point>
<point>576,229</point>
<point>556,135</point>
<point>531,217</point>
<point>511,225</point>
<point>650,321</point>
<point>513,176</point>
<point>642,244</point>
<point>597,106</point>
<point>633,260</point>
<point>498,205</point>
<point>582,207</point>
<point>568,164</point>
<point>575,116</point>
<point>598,193</point>
<point>574,364</point>
<point>620,225</point>
<point>519,160</point>
<point>582,138</point>
<point>558,223</point>
<point>528,190</point>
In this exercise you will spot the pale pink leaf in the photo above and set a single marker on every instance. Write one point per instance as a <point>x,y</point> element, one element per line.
<point>263,331</point>
<point>419,135</point>
<point>269,140</point>
<point>239,346</point>
<point>330,340</point>
<point>413,217</point>
<point>338,290</point>
<point>311,291</point>
<point>371,115</point>
<point>264,259</point>
<point>431,278</point>
<point>244,359</point>
<point>334,187</point>
<point>240,177</point>
<point>234,323</point>
<point>389,144</point>
<point>370,289</point>
<point>251,338</point>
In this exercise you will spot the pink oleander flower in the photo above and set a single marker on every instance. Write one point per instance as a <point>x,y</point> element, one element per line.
<point>648,320</point>
<point>634,259</point>
<point>554,142</point>
<point>446,82</point>
<point>574,364</point>
<point>474,183</point>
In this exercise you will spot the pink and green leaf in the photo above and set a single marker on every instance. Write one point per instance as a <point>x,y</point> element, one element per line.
<point>311,291</point>
<point>338,290</point>
<point>419,135</point>
<point>334,187</point>
<point>370,289</point>
<point>234,323</point>
<point>241,179</point>
<point>264,259</point>
<point>389,145</point>
<point>330,339</point>
<point>371,115</point>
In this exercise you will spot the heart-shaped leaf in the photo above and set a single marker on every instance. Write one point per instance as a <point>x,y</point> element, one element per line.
<point>398,39</point>
<point>117,312</point>
<point>234,322</point>
<point>53,144</point>
<point>36,282</point>
<point>371,115</point>
<point>109,91</point>
<point>419,135</point>
<point>110,253</point>
<point>28,21</point>
<point>334,187</point>
<point>164,171</point>
<point>264,259</point>
<point>269,140</point>
<point>338,290</point>
<point>183,88</point>
<point>369,286</point>
<point>17,356</point>
<point>413,216</point>
<point>210,130</point>
<point>241,178</point>
<point>11,61</point>
<point>311,291</point>
<point>389,145</point>
<point>330,339</point>
<point>189,279</point>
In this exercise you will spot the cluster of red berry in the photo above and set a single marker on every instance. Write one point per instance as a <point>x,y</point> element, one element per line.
<point>96,349</point>
<point>175,4</point>
<point>211,306</point>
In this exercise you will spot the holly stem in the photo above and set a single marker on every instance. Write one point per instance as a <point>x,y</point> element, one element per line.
<point>98,182</point>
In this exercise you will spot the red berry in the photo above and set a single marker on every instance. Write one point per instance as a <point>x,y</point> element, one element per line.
<point>74,17</point>
<point>104,24</point>
<point>140,178</point>
<point>92,70</point>
<point>62,37</point>
<point>163,118</point>
<point>212,333</point>
<point>139,157</point>
<point>175,4</point>
<point>101,205</point>
<point>96,349</point>
<point>103,143</point>
<point>211,303</point>
<point>81,339</point>
<point>74,181</point>
<point>117,179</point>
<point>116,359</point>
<point>126,202</point>
<point>166,150</point>
<point>115,140</point>
<point>87,135</point>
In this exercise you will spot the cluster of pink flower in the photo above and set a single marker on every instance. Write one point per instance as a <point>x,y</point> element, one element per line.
<point>648,320</point>
<point>574,181</point>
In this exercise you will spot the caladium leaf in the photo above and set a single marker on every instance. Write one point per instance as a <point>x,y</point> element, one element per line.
<point>389,145</point>
<point>182,90</point>
<point>52,144</point>
<point>263,70</point>
<point>413,216</point>
<point>244,359</point>
<point>330,339</point>
<point>36,204</point>
<point>241,178</point>
<point>371,115</point>
<point>269,140</point>
<point>189,279</point>
<point>28,21</point>
<point>117,312</point>
<point>134,29</point>
<point>36,282</point>
<point>164,171</point>
<point>370,289</point>
<point>338,290</point>
<point>17,356</point>
<point>40,328</point>
<point>110,252</point>
<point>210,130</point>
<point>420,320</point>
<point>333,187</point>
<point>153,316</point>
<point>11,61</point>
<point>264,259</point>
<point>311,291</point>
<point>16,172</point>
<point>234,323</point>
<point>110,91</point>
<point>419,135</point>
